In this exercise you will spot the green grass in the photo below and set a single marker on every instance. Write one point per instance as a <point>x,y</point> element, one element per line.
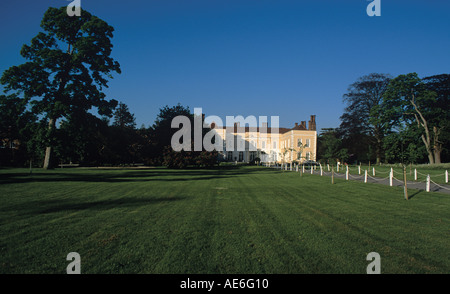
<point>228,220</point>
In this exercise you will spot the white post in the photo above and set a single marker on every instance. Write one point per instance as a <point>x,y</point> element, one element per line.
<point>296,169</point>
<point>391,174</point>
<point>365,176</point>
<point>321,171</point>
<point>311,169</point>
<point>337,165</point>
<point>291,165</point>
<point>446,176</point>
<point>303,168</point>
<point>415,174</point>
<point>359,169</point>
<point>328,167</point>
<point>373,171</point>
<point>428,183</point>
<point>346,174</point>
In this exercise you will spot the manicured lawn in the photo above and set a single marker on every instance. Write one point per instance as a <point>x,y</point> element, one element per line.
<point>227,220</point>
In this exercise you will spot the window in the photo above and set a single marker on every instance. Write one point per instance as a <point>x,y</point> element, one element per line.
<point>230,155</point>
<point>275,145</point>
<point>308,155</point>
<point>241,156</point>
<point>263,144</point>
<point>299,143</point>
<point>307,143</point>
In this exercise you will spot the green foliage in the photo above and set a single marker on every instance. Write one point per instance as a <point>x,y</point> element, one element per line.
<point>17,124</point>
<point>397,107</point>
<point>401,119</point>
<point>405,147</point>
<point>162,131</point>
<point>67,68</point>
<point>412,105</point>
<point>123,118</point>
<point>177,160</point>
<point>330,148</point>
<point>362,121</point>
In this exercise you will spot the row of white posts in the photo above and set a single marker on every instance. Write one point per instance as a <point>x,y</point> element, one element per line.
<point>391,174</point>
<point>391,177</point>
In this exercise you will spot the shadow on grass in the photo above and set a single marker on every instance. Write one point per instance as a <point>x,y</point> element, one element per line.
<point>415,194</point>
<point>126,175</point>
<point>45,206</point>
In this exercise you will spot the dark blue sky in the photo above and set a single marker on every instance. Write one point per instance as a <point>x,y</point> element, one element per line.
<point>250,57</point>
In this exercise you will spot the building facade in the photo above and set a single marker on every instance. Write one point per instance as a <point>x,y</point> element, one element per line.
<point>276,145</point>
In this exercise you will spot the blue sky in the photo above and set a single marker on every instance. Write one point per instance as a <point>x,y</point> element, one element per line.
<point>250,57</point>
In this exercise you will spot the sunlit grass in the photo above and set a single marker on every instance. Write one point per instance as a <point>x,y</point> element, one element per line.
<point>227,220</point>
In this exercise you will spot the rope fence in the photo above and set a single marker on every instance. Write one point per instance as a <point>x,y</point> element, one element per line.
<point>365,176</point>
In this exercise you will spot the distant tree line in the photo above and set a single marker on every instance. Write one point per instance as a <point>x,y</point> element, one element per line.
<point>405,119</point>
<point>92,141</point>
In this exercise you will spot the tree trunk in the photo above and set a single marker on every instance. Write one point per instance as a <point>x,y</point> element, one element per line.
<point>48,156</point>
<point>378,150</point>
<point>437,146</point>
<point>428,148</point>
<point>425,137</point>
<point>437,156</point>
<point>49,149</point>
<point>431,158</point>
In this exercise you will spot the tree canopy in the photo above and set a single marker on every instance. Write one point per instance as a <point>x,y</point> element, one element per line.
<point>361,121</point>
<point>68,65</point>
<point>402,119</point>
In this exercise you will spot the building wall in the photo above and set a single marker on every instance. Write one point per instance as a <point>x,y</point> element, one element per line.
<point>273,145</point>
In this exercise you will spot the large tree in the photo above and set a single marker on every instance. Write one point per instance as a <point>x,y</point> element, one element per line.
<point>409,102</point>
<point>67,68</point>
<point>439,112</point>
<point>361,118</point>
<point>162,130</point>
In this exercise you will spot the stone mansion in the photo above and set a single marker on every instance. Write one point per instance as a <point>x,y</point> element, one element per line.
<point>275,145</point>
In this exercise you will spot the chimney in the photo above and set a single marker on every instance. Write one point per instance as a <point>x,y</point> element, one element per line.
<point>303,124</point>
<point>296,124</point>
<point>312,123</point>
